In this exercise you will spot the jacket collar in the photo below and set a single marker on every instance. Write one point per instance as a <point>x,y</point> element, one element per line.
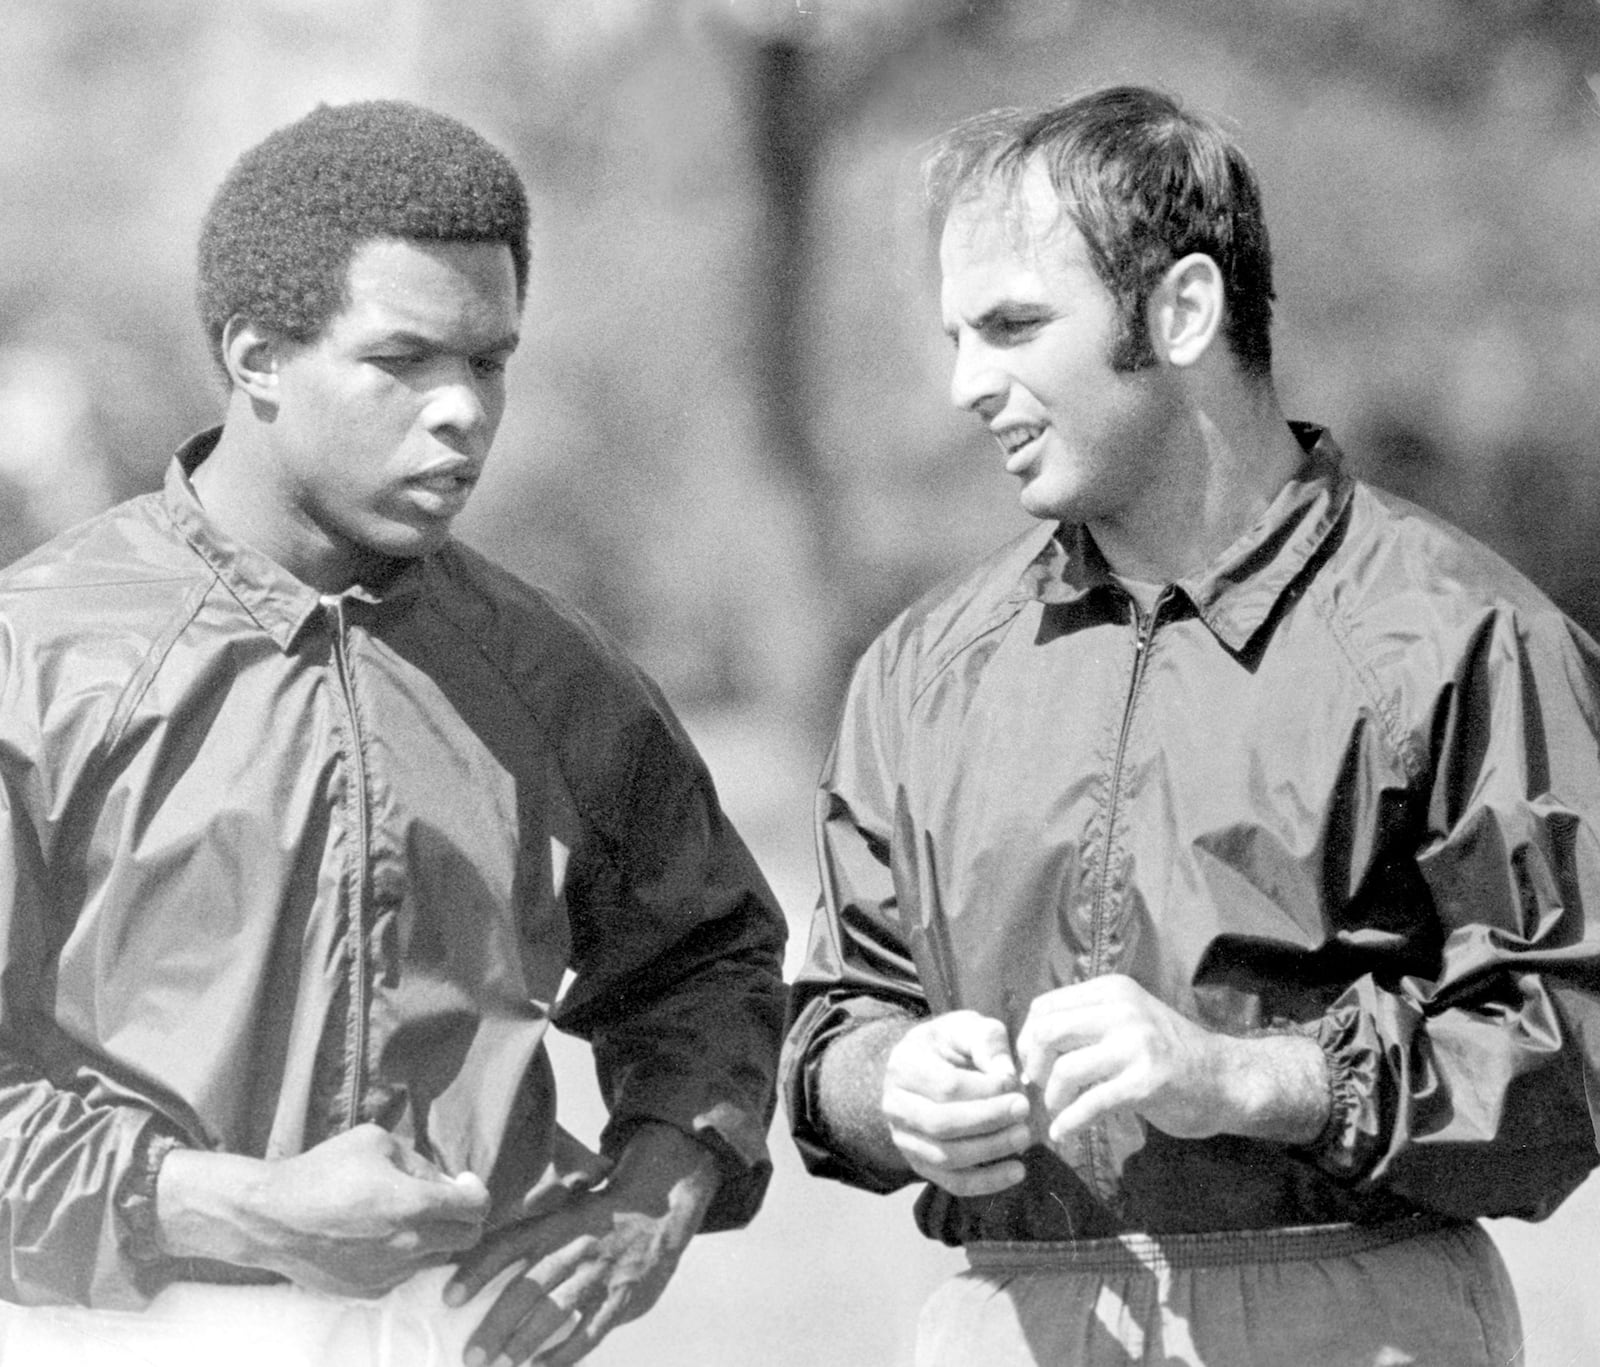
<point>275,600</point>
<point>1237,592</point>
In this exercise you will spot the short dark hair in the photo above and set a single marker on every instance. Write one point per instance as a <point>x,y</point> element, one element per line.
<point>1145,182</point>
<point>277,241</point>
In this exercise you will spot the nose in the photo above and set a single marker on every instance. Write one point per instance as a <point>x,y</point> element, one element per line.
<point>463,409</point>
<point>976,383</point>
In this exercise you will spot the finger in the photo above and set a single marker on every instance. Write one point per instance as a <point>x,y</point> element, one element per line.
<point>923,1067</point>
<point>962,1153</point>
<point>566,1282</point>
<point>552,1326</point>
<point>596,1310</point>
<point>556,1191</point>
<point>954,1119</point>
<point>527,1311</point>
<point>441,1200</point>
<point>412,1163</point>
<point>437,1240</point>
<point>1098,1101</point>
<point>974,1181</point>
<point>520,1303</point>
<point>981,1042</point>
<point>1074,1072</point>
<point>488,1260</point>
<point>583,1340</point>
<point>576,1162</point>
<point>1048,1034</point>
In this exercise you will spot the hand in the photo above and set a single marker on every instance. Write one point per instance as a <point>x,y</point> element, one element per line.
<point>955,1105</point>
<point>593,1261</point>
<point>574,1168</point>
<point>1106,1046</point>
<point>353,1216</point>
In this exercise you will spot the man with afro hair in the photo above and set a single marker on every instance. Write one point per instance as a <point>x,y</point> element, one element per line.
<point>313,822</point>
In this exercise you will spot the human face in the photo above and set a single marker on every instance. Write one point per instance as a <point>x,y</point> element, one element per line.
<point>383,423</point>
<point>1034,330</point>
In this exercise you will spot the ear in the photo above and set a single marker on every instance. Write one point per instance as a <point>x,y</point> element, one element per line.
<point>251,356</point>
<point>1185,311</point>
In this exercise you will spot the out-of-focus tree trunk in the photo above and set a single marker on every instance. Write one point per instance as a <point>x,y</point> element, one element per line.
<point>807,72</point>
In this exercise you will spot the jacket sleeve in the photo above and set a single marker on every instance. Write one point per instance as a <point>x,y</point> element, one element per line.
<point>75,1176</point>
<point>1472,1091</point>
<point>678,954</point>
<point>858,965</point>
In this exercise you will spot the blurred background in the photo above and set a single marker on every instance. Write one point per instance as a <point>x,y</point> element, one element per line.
<point>728,438</point>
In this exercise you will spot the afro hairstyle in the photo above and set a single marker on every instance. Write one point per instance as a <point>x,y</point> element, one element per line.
<point>277,241</point>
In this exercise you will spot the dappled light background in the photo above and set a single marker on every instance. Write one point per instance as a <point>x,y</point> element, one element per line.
<point>728,438</point>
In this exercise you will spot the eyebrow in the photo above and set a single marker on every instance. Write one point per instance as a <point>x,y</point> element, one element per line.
<point>1005,307</point>
<point>404,337</point>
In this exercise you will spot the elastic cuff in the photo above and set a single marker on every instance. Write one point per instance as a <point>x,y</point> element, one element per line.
<point>136,1199</point>
<point>1336,1141</point>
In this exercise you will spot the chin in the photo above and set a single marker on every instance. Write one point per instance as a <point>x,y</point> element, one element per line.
<point>1047,507</point>
<point>403,547</point>
<point>408,539</point>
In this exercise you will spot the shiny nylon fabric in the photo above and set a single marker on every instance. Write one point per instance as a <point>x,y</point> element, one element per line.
<point>275,866</point>
<point>1343,782</point>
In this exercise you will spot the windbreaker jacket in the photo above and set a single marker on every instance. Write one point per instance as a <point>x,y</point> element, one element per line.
<point>273,865</point>
<point>1344,782</point>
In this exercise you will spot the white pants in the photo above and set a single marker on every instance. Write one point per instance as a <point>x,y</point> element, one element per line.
<point>195,1325</point>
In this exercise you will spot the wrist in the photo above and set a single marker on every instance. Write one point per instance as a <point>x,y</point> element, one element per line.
<point>1278,1088</point>
<point>678,1174</point>
<point>202,1204</point>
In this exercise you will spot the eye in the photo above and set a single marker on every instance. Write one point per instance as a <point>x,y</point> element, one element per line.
<point>1012,329</point>
<point>489,367</point>
<point>397,362</point>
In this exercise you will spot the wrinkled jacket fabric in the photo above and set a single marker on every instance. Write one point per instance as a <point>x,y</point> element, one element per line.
<point>1344,782</point>
<point>273,865</point>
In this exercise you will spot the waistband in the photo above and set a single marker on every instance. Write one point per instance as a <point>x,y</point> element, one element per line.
<point>1218,1248</point>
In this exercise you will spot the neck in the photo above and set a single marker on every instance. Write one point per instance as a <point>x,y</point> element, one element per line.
<point>1226,463</point>
<point>232,484</point>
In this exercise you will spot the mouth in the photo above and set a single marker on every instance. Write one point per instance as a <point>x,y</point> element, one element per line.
<point>444,484</point>
<point>443,493</point>
<point>1017,443</point>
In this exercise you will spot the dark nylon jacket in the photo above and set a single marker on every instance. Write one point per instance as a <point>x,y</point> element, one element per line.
<point>272,866</point>
<point>1346,781</point>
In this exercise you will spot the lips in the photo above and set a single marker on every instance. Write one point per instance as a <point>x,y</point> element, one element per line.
<point>1017,442</point>
<point>444,484</point>
<point>443,493</point>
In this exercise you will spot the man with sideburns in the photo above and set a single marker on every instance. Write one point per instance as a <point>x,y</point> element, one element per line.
<point>1210,877</point>
<point>313,822</point>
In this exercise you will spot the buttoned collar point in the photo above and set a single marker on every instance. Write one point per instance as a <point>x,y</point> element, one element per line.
<point>1236,594</point>
<point>278,602</point>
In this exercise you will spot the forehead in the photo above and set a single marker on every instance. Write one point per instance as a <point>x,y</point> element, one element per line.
<point>1012,238</point>
<point>452,291</point>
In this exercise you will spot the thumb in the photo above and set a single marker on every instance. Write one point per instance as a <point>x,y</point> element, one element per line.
<point>989,1049</point>
<point>463,1197</point>
<point>575,1163</point>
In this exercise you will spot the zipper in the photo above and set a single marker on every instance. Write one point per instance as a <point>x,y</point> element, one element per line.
<point>1095,1146</point>
<point>358,909</point>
